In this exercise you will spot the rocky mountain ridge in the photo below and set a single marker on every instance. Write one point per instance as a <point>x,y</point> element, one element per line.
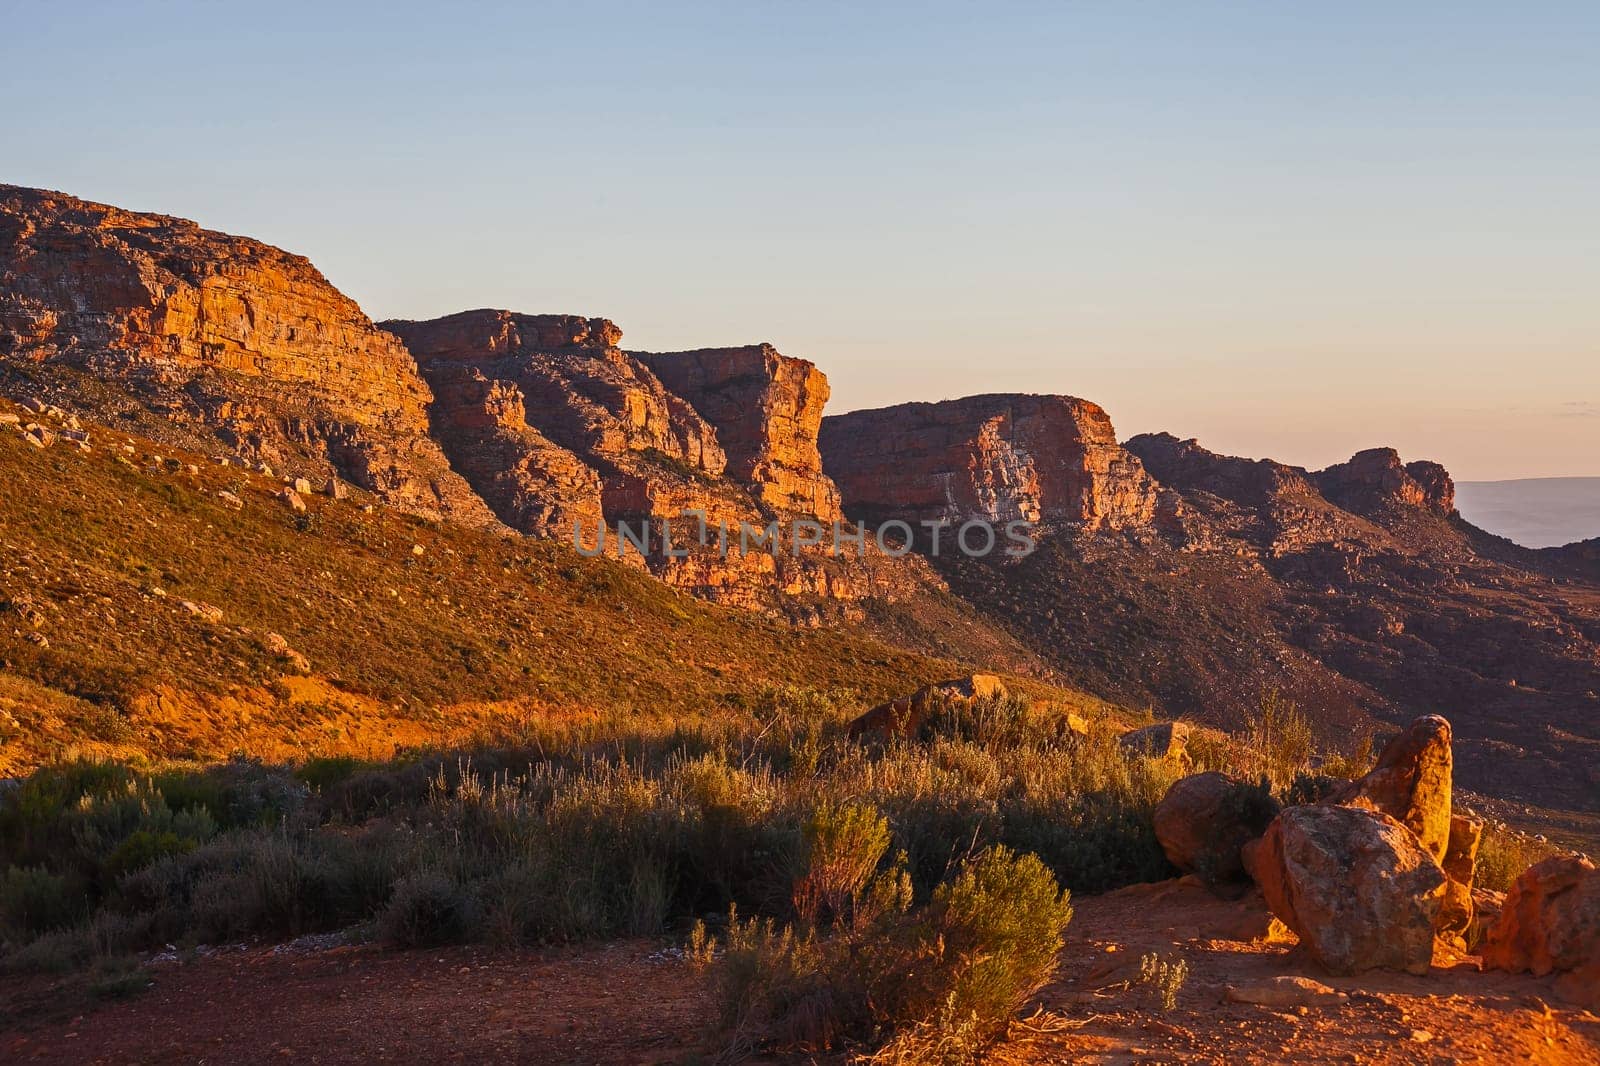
<point>1166,574</point>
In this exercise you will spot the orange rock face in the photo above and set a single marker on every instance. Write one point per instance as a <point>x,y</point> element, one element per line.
<point>554,424</point>
<point>767,409</point>
<point>1354,884</point>
<point>1377,476</point>
<point>245,338</point>
<point>1052,460</point>
<point>1411,783</point>
<point>1550,922</point>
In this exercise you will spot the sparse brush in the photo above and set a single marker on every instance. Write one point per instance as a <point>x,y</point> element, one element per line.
<point>1164,978</point>
<point>1281,734</point>
<point>1504,853</point>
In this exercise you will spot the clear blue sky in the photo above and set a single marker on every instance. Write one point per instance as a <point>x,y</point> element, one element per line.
<point>1287,229</point>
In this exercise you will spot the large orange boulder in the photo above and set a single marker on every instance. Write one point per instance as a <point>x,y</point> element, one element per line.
<point>1550,923</point>
<point>1411,783</point>
<point>1355,885</point>
<point>1204,820</point>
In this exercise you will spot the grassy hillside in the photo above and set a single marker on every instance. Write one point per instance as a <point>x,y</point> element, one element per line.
<point>411,632</point>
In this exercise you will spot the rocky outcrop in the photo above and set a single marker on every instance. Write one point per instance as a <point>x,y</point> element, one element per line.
<point>906,716</point>
<point>1550,923</point>
<point>534,485</point>
<point>1376,477</point>
<point>1411,783</point>
<point>1355,885</point>
<point>767,409</point>
<point>1050,460</point>
<point>1205,820</point>
<point>243,340</point>
<point>555,424</point>
<point>1164,740</point>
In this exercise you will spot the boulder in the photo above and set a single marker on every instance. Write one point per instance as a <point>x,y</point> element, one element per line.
<point>293,501</point>
<point>1286,992</point>
<point>1355,885</point>
<point>1165,740</point>
<point>335,489</point>
<point>1550,923</point>
<point>905,716</point>
<point>230,499</point>
<point>302,486</point>
<point>1460,861</point>
<point>1411,783</point>
<point>202,610</point>
<point>1204,821</point>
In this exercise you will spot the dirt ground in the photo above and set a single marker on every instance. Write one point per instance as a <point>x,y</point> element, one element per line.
<point>631,1002</point>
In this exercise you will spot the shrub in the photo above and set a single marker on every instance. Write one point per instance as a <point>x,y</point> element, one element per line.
<point>428,909</point>
<point>992,934</point>
<point>944,980</point>
<point>842,848</point>
<point>33,901</point>
<point>1281,733</point>
<point>1164,978</point>
<point>1504,853</point>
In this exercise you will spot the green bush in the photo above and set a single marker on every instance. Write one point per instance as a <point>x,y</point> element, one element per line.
<point>428,909</point>
<point>34,900</point>
<point>941,981</point>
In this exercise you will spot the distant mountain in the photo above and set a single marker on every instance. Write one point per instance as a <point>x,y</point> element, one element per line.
<point>1536,512</point>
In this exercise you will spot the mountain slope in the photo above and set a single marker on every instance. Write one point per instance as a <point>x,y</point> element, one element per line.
<point>1357,591</point>
<point>143,613</point>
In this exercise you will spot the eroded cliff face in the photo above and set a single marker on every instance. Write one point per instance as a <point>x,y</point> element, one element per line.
<point>1376,478</point>
<point>553,423</point>
<point>222,333</point>
<point>767,409</point>
<point>1049,460</point>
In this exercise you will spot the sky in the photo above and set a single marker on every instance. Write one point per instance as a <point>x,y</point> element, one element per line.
<point>1289,230</point>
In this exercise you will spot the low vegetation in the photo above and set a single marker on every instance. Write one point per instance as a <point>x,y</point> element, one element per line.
<point>906,899</point>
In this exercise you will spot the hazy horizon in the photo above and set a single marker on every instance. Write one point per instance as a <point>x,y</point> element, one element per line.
<point>1288,233</point>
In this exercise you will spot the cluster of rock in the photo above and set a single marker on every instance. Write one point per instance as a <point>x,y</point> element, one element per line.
<point>908,717</point>
<point>533,422</point>
<point>565,434</point>
<point>1381,871</point>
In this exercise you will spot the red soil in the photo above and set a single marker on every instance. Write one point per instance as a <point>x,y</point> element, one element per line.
<point>620,1003</point>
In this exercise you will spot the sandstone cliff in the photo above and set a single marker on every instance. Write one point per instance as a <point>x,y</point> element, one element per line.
<point>1051,460</point>
<point>767,409</point>
<point>553,423</point>
<point>226,334</point>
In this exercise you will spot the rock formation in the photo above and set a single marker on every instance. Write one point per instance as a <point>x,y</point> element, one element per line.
<point>247,341</point>
<point>553,424</point>
<point>906,716</point>
<point>1550,923</point>
<point>1164,740</point>
<point>1051,460</point>
<point>1355,885</point>
<point>1377,477</point>
<point>767,409</point>
<point>1205,820</point>
<point>1411,783</point>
